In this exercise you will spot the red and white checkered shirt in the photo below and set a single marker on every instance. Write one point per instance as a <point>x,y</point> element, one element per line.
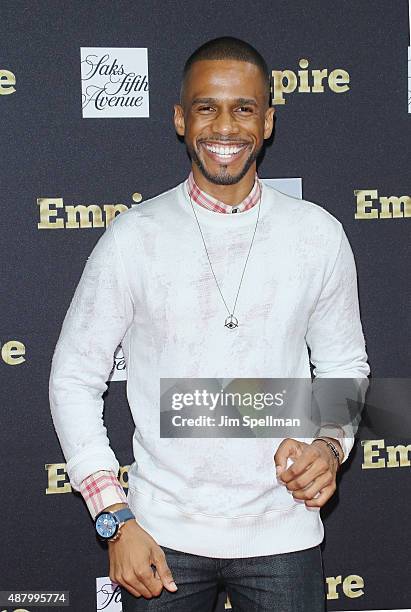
<point>204,199</point>
<point>102,489</point>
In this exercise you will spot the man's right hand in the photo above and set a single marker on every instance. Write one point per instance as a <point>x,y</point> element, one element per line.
<point>131,557</point>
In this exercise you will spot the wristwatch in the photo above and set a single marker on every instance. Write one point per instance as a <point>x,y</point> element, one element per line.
<point>108,524</point>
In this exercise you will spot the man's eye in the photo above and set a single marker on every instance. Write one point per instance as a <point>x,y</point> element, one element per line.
<point>246,109</point>
<point>205,108</point>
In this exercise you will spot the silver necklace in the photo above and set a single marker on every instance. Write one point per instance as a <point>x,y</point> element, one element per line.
<point>231,321</point>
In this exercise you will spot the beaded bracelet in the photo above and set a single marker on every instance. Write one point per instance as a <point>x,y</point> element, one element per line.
<point>332,447</point>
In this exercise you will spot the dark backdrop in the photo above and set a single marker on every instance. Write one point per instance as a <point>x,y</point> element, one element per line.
<point>336,142</point>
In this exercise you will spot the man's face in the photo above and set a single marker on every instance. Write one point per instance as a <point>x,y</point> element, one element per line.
<point>224,118</point>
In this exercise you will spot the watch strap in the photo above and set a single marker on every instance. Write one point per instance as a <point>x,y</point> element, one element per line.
<point>123,515</point>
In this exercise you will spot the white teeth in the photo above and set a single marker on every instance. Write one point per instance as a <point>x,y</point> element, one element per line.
<point>223,150</point>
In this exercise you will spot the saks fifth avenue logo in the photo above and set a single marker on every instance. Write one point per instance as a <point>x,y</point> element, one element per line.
<point>114,82</point>
<point>118,371</point>
<point>108,595</point>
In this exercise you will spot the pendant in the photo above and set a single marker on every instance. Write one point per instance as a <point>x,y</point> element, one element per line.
<point>231,322</point>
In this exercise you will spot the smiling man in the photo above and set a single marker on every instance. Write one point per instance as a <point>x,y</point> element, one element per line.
<point>224,116</point>
<point>219,277</point>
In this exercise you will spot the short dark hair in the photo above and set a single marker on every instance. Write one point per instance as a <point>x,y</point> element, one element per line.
<point>228,47</point>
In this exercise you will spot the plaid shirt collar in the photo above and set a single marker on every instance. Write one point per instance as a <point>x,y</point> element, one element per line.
<point>207,201</point>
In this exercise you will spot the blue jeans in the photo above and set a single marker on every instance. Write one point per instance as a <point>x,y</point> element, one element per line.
<point>286,582</point>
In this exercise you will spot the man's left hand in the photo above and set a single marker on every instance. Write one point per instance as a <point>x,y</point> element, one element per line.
<point>312,476</point>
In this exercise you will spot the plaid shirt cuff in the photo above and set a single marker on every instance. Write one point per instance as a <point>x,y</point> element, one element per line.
<point>100,490</point>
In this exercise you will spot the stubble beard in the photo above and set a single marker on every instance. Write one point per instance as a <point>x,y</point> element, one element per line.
<point>224,177</point>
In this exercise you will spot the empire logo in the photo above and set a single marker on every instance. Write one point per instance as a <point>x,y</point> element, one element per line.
<point>54,214</point>
<point>307,81</point>
<point>12,352</point>
<point>7,82</point>
<point>370,206</point>
<point>351,586</point>
<point>377,455</point>
<point>58,481</point>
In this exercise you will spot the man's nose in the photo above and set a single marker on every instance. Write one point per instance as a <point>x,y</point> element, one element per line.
<point>225,123</point>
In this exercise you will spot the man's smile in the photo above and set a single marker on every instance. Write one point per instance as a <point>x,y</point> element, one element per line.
<point>223,153</point>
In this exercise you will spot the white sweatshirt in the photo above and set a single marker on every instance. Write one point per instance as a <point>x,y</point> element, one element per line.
<point>148,284</point>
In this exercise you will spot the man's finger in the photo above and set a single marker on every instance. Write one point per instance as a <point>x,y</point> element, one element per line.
<point>298,467</point>
<point>301,480</point>
<point>287,449</point>
<point>316,486</point>
<point>164,572</point>
<point>129,588</point>
<point>135,584</point>
<point>322,498</point>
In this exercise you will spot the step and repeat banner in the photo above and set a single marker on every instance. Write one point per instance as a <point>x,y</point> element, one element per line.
<point>86,98</point>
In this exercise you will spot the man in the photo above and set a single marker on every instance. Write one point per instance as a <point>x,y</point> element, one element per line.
<point>164,280</point>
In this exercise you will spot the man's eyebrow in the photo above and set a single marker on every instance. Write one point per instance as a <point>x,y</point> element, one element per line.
<point>246,101</point>
<point>203,101</point>
<point>239,101</point>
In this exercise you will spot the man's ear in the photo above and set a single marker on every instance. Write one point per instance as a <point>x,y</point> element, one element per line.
<point>269,122</point>
<point>179,119</point>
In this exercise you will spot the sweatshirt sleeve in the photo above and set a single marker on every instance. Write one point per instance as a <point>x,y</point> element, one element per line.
<point>337,345</point>
<point>97,319</point>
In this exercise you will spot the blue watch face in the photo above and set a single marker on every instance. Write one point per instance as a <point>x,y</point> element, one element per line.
<point>106,525</point>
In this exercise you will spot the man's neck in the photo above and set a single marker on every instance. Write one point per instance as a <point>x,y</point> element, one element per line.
<point>229,194</point>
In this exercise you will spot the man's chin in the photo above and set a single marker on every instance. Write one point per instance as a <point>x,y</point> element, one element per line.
<point>224,180</point>
<point>224,177</point>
